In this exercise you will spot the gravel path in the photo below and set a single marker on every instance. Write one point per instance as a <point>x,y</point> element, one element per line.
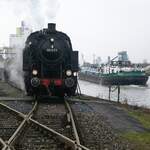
<point>117,117</point>
<point>95,131</point>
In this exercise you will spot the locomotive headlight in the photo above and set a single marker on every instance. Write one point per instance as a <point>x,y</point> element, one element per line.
<point>68,72</point>
<point>75,74</point>
<point>34,72</point>
<point>52,40</point>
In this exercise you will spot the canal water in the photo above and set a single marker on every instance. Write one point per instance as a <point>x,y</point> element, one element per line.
<point>133,94</point>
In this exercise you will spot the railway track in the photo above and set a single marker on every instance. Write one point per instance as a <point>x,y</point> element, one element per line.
<point>44,126</point>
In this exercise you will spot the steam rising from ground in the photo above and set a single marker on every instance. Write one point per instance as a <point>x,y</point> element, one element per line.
<point>35,13</point>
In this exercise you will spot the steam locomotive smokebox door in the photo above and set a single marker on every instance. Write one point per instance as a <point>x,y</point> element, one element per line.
<point>74,60</point>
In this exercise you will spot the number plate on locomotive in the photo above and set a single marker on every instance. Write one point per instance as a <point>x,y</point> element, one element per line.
<point>52,50</point>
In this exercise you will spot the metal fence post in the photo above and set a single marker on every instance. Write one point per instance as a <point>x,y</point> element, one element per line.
<point>118,93</point>
<point>109,91</point>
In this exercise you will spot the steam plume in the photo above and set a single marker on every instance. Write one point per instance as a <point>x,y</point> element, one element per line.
<point>36,13</point>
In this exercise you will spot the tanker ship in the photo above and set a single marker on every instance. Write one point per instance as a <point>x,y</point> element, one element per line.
<point>115,72</point>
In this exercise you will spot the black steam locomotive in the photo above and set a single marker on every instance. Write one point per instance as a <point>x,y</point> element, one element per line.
<point>50,65</point>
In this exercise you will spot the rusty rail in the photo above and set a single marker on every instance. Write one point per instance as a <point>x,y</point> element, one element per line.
<point>27,118</point>
<point>3,144</point>
<point>73,124</point>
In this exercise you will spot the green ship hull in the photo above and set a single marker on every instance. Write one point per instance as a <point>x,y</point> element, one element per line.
<point>119,78</point>
<point>124,78</point>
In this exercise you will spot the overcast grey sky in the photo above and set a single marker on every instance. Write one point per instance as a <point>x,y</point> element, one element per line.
<point>100,27</point>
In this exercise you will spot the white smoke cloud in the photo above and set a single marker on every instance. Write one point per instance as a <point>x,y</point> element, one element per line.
<point>35,13</point>
<point>14,70</point>
<point>50,9</point>
<point>14,63</point>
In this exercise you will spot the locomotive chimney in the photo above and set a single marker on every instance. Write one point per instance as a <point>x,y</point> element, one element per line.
<point>52,27</point>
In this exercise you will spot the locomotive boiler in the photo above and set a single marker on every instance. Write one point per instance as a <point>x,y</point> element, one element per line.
<point>49,63</point>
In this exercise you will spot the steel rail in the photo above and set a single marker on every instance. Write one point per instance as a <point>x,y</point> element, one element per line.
<point>73,125</point>
<point>14,136</point>
<point>13,110</point>
<point>16,99</point>
<point>61,137</point>
<point>3,144</point>
<point>73,144</point>
<point>83,147</point>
